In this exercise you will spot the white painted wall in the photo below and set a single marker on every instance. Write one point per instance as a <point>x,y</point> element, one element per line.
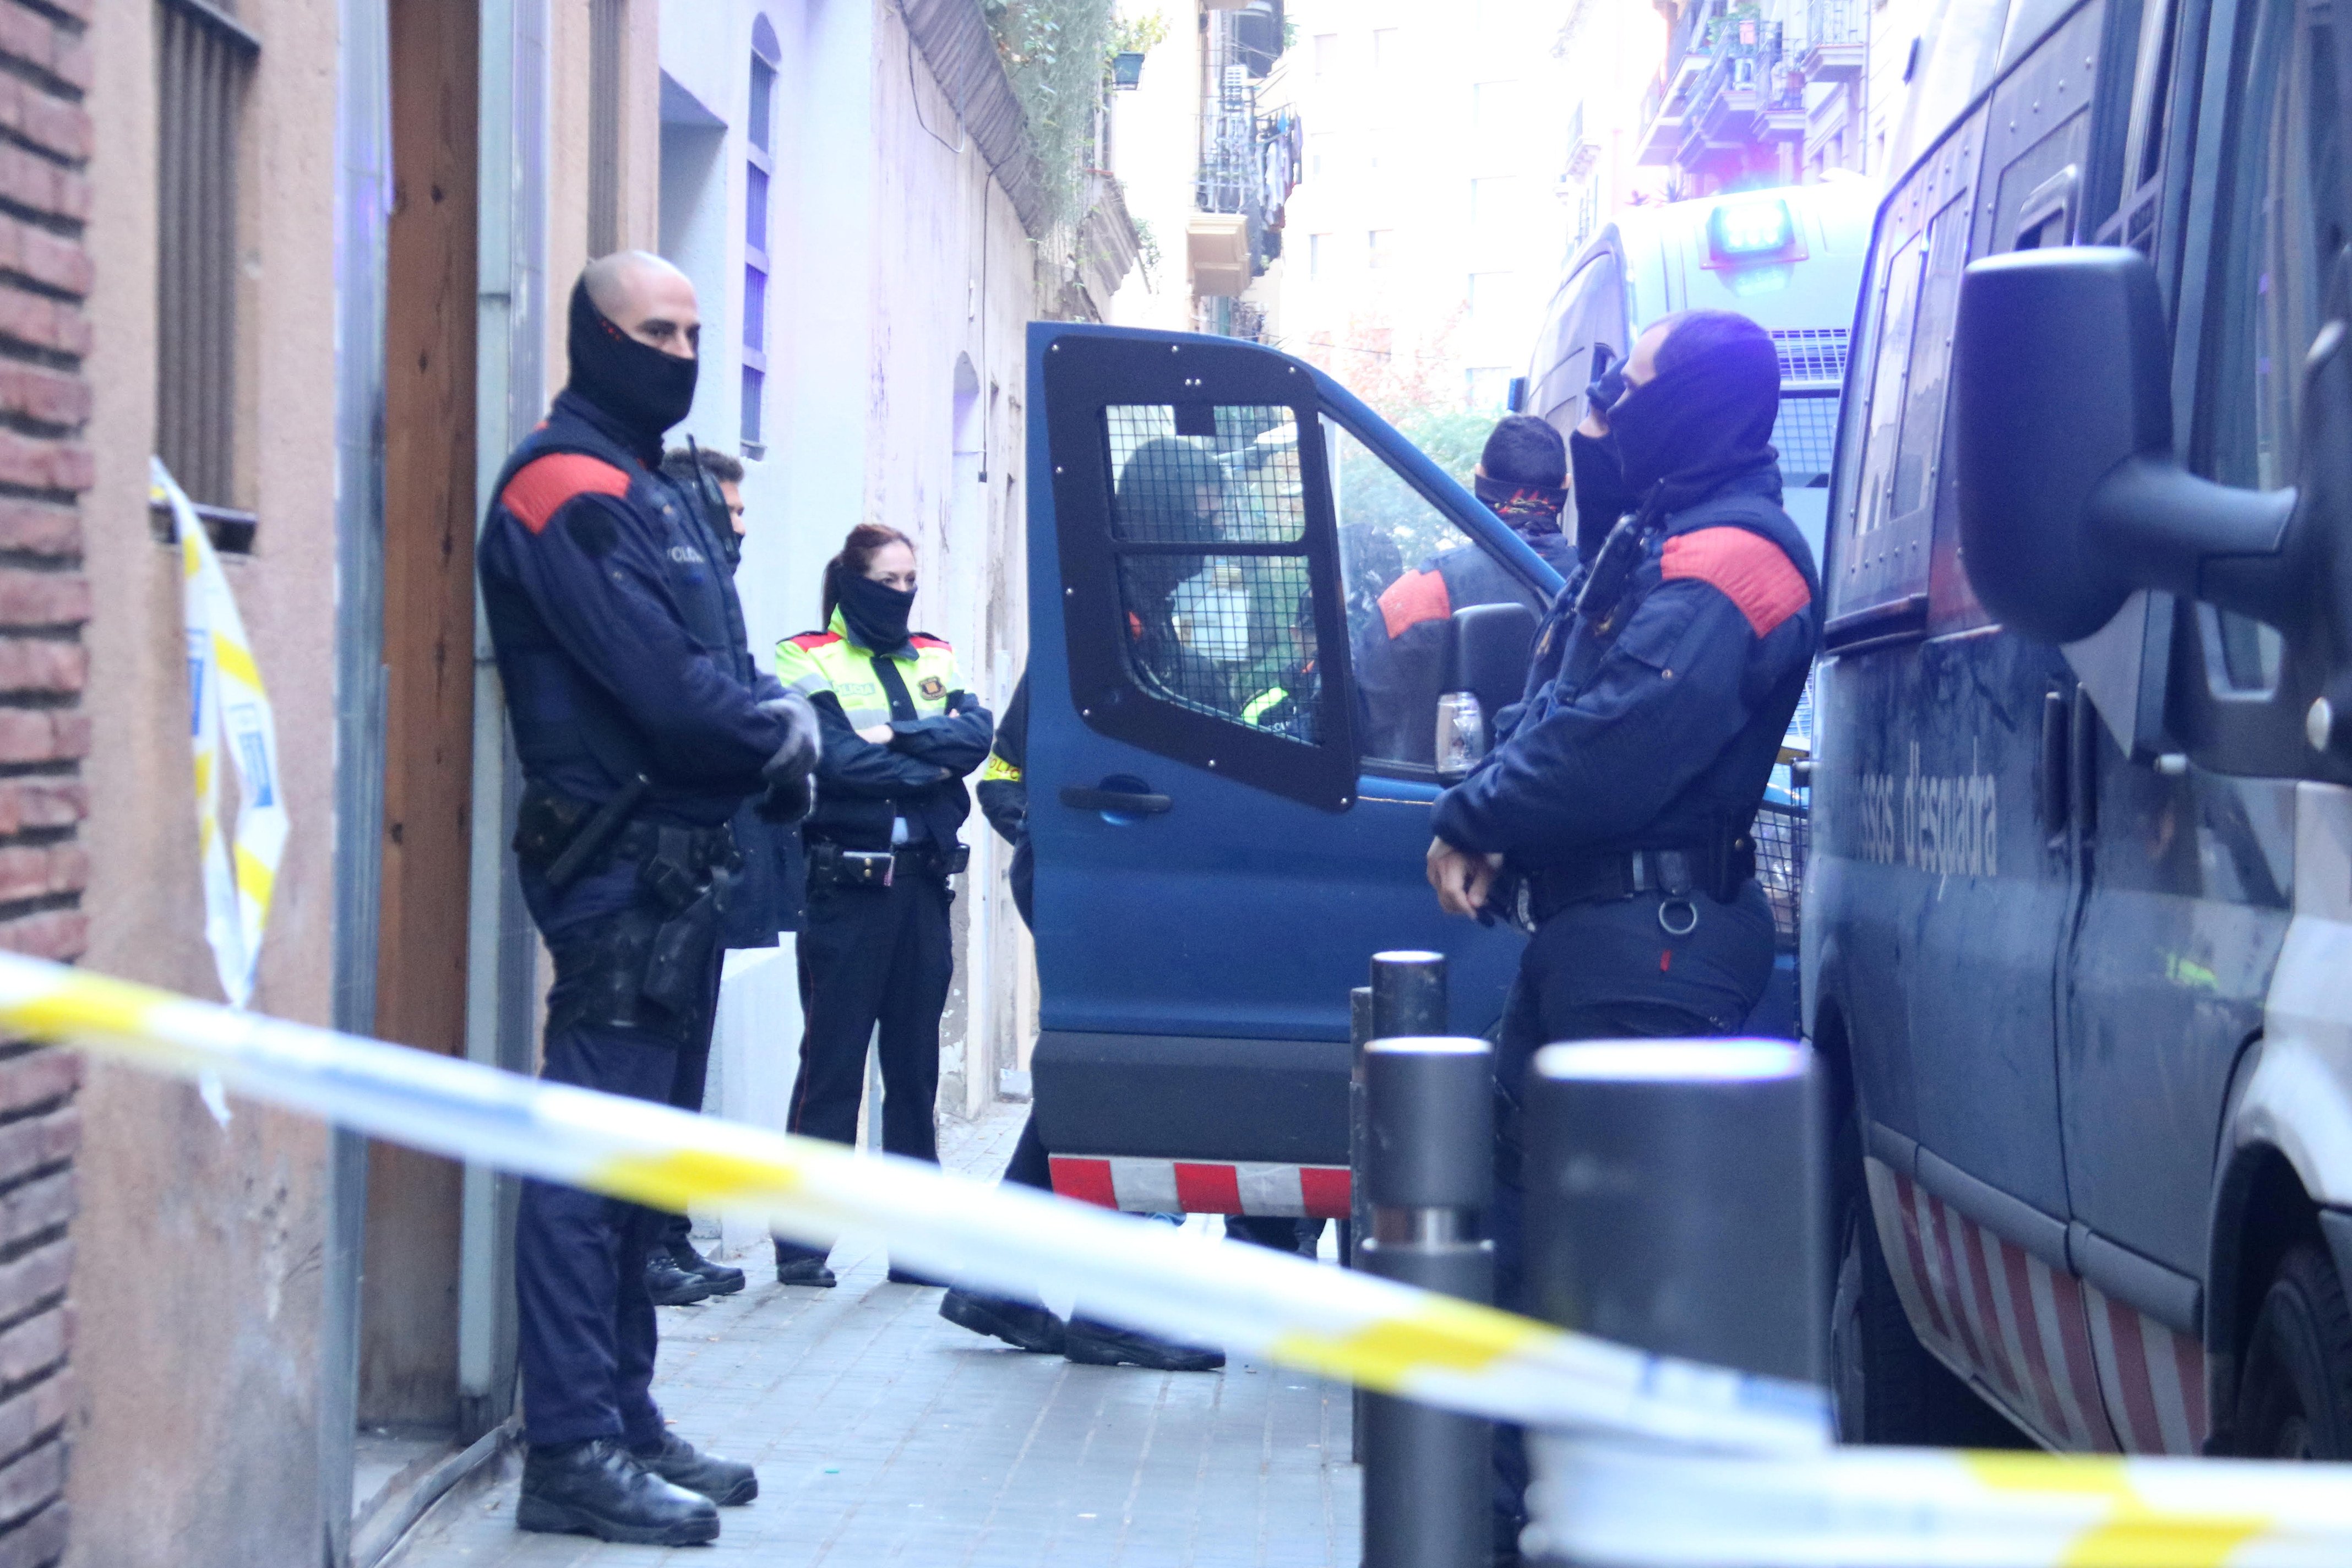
<point>1155,151</point>
<point>896,261</point>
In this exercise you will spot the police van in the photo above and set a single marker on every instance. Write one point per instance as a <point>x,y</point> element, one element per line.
<point>1224,830</point>
<point>2078,937</point>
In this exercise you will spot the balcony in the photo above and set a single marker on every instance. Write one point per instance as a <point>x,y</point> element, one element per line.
<point>1837,41</point>
<point>1670,99</point>
<point>1583,150</point>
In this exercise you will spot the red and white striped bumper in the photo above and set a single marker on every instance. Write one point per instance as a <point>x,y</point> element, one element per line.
<point>1192,1186</point>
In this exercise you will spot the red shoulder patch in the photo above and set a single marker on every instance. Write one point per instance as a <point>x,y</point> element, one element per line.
<point>541,486</point>
<point>924,639</point>
<point>1747,568</point>
<point>814,639</point>
<point>1415,597</point>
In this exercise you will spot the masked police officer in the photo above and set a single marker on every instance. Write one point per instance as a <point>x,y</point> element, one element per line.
<point>642,726</point>
<point>1613,815</point>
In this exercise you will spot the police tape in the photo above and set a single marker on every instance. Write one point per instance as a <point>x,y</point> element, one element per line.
<point>1249,1300</point>
<point>1667,1463</point>
<point>1617,1505</point>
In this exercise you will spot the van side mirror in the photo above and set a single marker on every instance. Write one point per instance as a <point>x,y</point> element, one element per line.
<point>2070,495</point>
<point>1488,650</point>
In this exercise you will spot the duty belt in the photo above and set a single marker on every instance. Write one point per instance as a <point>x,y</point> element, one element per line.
<point>1717,870</point>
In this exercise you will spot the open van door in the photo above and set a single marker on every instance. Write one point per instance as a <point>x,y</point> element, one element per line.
<point>1225,824</point>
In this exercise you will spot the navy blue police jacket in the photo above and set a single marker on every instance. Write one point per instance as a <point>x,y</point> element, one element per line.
<point>619,636</point>
<point>1663,735</point>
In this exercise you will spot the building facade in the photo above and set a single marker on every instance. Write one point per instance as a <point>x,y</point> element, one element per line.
<point>315,256</point>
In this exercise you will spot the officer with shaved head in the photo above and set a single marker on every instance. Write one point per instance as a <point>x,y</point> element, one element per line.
<point>643,727</point>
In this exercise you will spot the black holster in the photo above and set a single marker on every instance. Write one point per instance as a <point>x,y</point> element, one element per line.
<point>648,966</point>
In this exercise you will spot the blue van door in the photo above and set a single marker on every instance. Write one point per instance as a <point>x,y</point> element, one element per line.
<point>1222,836</point>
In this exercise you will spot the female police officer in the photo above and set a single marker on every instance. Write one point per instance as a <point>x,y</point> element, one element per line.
<point>900,733</point>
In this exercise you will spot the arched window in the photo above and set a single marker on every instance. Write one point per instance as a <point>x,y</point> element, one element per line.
<point>758,148</point>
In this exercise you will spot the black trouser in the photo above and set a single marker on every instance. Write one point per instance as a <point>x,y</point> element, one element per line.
<point>868,956</point>
<point>1601,972</point>
<point>585,1325</point>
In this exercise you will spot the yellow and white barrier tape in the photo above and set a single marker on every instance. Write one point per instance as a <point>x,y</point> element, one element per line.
<point>229,703</point>
<point>1615,1505</point>
<point>1252,1301</point>
<point>1673,1464</point>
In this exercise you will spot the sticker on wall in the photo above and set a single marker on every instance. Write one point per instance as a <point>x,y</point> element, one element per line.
<point>231,714</point>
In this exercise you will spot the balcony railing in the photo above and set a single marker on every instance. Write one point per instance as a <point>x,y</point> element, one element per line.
<point>1832,22</point>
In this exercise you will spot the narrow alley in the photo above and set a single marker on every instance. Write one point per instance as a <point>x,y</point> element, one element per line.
<point>883,1434</point>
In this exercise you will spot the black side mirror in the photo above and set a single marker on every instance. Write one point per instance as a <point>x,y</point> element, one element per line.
<point>2070,496</point>
<point>1493,645</point>
<point>1488,647</point>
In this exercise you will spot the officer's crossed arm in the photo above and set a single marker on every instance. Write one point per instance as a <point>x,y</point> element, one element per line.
<point>957,739</point>
<point>591,571</point>
<point>1675,688</point>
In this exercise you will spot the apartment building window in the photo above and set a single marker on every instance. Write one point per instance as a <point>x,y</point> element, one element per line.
<point>204,60</point>
<point>1388,48</point>
<point>607,26</point>
<point>1489,293</point>
<point>1327,53</point>
<point>1380,244</point>
<point>1319,151</point>
<point>759,154</point>
<point>1317,245</point>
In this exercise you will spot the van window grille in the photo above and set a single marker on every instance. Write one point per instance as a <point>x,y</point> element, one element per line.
<point>202,61</point>
<point>1811,355</point>
<point>1805,435</point>
<point>1210,533</point>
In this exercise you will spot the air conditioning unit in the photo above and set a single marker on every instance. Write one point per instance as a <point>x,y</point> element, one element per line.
<point>1217,245</point>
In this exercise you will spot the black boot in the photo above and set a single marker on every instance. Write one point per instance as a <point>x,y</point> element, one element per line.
<point>722,1280</point>
<point>597,1488</point>
<point>1099,1344</point>
<point>1016,1322</point>
<point>723,1481</point>
<point>794,1267</point>
<point>671,1286</point>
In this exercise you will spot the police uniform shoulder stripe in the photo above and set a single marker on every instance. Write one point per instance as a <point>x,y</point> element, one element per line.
<point>1415,597</point>
<point>924,639</point>
<point>814,639</point>
<point>540,487</point>
<point>1749,569</point>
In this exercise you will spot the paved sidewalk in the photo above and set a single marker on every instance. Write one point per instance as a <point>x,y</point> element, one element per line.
<point>885,1435</point>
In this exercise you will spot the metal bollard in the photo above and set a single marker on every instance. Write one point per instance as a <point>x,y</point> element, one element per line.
<point>1429,1168</point>
<point>1407,996</point>
<point>1359,1206</point>
<point>1677,1200</point>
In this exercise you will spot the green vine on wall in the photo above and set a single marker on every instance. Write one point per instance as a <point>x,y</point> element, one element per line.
<point>1054,51</point>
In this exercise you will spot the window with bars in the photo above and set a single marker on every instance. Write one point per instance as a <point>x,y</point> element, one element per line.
<point>203,62</point>
<point>759,155</point>
<point>1209,534</point>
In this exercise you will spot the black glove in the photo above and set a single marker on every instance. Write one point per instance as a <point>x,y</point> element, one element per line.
<point>797,757</point>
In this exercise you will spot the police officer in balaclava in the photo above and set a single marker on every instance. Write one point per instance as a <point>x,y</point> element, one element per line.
<point>1611,821</point>
<point>642,725</point>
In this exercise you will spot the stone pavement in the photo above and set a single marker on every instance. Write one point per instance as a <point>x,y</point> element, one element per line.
<point>883,1434</point>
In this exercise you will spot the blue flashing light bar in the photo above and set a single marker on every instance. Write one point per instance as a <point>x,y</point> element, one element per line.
<point>1751,230</point>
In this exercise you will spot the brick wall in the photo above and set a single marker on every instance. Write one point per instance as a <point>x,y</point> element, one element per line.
<point>44,274</point>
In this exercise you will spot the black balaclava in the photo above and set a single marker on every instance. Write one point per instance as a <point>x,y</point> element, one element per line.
<point>1522,474</point>
<point>1601,494</point>
<point>1704,419</point>
<point>875,613</point>
<point>643,388</point>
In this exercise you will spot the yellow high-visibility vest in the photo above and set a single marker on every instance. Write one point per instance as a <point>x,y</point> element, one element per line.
<point>828,662</point>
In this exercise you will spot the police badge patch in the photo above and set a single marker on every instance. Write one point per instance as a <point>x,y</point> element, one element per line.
<point>932,687</point>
